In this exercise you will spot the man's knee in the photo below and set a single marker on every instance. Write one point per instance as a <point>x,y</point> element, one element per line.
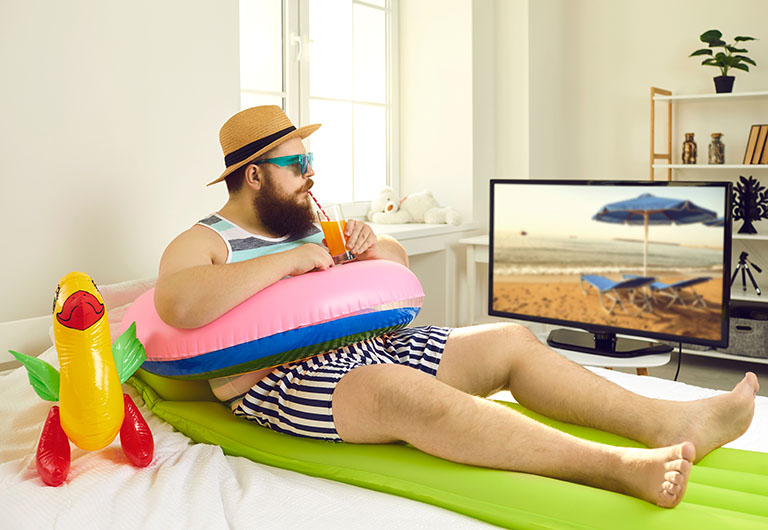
<point>515,341</point>
<point>519,345</point>
<point>517,333</point>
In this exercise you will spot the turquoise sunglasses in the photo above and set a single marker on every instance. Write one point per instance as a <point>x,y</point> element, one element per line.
<point>303,161</point>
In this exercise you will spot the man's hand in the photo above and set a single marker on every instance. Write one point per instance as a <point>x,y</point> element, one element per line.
<point>365,245</point>
<point>309,257</point>
<point>360,238</point>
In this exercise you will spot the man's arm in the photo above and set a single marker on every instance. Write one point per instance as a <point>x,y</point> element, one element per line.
<point>365,245</point>
<point>195,286</point>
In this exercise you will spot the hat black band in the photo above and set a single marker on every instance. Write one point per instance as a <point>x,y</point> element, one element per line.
<point>254,147</point>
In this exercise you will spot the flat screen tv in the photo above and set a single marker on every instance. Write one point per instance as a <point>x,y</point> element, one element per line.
<point>611,259</point>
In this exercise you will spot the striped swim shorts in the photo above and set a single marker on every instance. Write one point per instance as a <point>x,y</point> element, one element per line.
<point>295,398</point>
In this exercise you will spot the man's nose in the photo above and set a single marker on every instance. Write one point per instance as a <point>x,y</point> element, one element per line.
<point>310,172</point>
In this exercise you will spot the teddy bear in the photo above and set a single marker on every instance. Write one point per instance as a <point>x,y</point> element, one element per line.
<point>420,207</point>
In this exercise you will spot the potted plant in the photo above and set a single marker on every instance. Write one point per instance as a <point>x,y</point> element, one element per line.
<point>731,57</point>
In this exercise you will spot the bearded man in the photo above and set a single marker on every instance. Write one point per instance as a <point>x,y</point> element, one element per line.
<point>422,385</point>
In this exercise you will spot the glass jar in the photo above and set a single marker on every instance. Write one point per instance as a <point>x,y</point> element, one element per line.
<point>716,149</point>
<point>689,149</point>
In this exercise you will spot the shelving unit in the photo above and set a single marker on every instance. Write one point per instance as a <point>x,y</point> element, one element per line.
<point>754,243</point>
<point>660,96</point>
<point>709,166</point>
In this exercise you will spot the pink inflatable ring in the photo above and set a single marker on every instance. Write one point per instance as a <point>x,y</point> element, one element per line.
<point>293,319</point>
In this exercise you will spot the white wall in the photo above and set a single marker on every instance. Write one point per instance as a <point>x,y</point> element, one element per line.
<point>436,130</point>
<point>618,50</point>
<point>110,119</point>
<point>436,122</point>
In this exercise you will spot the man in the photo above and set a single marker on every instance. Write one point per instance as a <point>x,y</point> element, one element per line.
<point>422,385</point>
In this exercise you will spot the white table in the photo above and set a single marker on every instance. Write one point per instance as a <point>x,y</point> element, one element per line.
<point>477,252</point>
<point>640,363</point>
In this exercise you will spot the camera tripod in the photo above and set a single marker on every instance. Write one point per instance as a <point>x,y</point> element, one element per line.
<point>744,264</point>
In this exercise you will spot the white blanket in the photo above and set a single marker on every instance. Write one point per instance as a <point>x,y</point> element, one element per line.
<point>191,485</point>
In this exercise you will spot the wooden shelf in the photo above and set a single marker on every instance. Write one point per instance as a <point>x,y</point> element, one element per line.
<point>710,166</point>
<point>747,237</point>
<point>705,97</point>
<point>662,96</point>
<point>749,296</point>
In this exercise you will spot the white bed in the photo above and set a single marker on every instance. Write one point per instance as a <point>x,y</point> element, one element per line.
<point>191,485</point>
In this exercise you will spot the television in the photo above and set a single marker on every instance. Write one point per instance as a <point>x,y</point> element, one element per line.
<point>627,267</point>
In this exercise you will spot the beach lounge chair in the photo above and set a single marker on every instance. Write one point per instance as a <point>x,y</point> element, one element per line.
<point>612,289</point>
<point>672,290</point>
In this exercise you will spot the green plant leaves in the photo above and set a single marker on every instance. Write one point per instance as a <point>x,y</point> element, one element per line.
<point>727,59</point>
<point>747,60</point>
<point>711,36</point>
<point>43,377</point>
<point>128,353</point>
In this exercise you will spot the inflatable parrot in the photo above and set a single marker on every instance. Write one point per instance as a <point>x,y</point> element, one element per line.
<point>93,408</point>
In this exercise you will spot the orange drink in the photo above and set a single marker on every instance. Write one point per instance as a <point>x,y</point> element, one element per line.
<point>333,224</point>
<point>334,236</point>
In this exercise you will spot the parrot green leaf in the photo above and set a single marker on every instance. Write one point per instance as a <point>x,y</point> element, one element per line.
<point>43,377</point>
<point>128,352</point>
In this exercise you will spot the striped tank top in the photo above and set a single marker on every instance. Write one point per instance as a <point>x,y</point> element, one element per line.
<point>243,245</point>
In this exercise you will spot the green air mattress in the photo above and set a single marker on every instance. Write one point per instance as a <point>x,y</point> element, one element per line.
<point>727,489</point>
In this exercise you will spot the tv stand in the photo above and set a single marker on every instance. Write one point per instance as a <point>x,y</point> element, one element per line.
<point>603,343</point>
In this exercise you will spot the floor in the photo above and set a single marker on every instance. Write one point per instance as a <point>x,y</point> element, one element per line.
<point>720,374</point>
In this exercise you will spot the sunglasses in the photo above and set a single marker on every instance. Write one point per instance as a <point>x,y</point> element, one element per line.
<point>304,161</point>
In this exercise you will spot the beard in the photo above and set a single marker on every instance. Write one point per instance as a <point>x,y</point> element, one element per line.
<point>283,214</point>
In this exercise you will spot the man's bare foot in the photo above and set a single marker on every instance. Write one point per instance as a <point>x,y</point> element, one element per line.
<point>659,476</point>
<point>712,422</point>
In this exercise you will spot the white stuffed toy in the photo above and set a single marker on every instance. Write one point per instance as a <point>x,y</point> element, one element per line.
<point>418,207</point>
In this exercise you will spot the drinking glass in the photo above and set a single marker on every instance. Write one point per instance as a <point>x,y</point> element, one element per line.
<point>332,222</point>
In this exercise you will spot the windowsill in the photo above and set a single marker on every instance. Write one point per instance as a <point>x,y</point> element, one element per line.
<point>414,230</point>
<point>420,238</point>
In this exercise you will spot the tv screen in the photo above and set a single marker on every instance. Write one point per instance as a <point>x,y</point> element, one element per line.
<point>644,259</point>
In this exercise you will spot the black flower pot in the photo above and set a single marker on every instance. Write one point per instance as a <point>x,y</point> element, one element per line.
<point>724,84</point>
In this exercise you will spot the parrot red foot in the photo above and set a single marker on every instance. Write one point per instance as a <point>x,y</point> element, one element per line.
<point>53,456</point>
<point>135,436</point>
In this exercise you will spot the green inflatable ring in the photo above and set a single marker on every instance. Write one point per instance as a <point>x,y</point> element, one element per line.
<point>727,489</point>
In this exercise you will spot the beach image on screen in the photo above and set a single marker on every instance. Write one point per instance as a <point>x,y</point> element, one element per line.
<point>633,257</point>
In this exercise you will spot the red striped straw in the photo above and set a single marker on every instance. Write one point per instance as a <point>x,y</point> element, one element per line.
<point>318,205</point>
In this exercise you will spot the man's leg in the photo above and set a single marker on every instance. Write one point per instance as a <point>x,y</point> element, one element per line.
<point>481,360</point>
<point>388,403</point>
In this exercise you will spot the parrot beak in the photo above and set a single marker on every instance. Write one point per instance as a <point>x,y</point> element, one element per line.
<point>80,311</point>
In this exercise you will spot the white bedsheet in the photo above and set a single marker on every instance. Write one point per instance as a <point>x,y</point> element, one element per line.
<point>196,486</point>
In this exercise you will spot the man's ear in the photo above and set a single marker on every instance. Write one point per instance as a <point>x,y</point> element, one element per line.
<point>254,176</point>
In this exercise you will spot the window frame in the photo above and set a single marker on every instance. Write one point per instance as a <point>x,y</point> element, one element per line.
<point>296,50</point>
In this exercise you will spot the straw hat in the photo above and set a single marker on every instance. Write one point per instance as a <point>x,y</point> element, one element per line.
<point>252,132</point>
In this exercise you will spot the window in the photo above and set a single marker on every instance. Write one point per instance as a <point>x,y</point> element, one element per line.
<point>329,62</point>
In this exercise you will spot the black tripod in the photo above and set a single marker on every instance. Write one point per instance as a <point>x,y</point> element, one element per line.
<point>744,264</point>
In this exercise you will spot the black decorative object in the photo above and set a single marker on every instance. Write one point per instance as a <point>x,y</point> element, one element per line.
<point>750,203</point>
<point>743,266</point>
<point>724,84</point>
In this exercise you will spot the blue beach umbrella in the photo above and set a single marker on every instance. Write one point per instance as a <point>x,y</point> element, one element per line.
<point>648,210</point>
